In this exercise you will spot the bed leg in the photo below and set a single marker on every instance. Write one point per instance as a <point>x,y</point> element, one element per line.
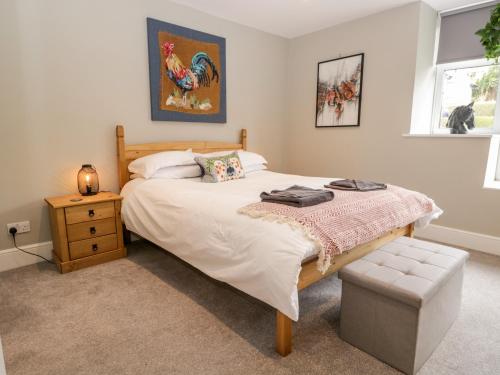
<point>283,334</point>
<point>126,235</point>
<point>411,230</point>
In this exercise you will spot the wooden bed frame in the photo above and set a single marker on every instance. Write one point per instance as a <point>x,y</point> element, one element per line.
<point>309,273</point>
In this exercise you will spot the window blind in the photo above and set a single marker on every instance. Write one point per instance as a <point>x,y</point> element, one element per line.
<point>457,38</point>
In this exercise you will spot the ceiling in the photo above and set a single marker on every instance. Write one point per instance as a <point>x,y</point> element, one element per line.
<point>292,18</point>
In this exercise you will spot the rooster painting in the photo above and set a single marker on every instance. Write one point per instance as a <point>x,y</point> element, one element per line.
<point>189,79</point>
<point>187,74</point>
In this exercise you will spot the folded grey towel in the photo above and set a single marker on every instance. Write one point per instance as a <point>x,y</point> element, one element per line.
<point>356,185</point>
<point>298,196</point>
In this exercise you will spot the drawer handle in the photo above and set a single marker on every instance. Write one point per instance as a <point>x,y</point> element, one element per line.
<point>91,213</point>
<point>94,247</point>
<point>92,230</point>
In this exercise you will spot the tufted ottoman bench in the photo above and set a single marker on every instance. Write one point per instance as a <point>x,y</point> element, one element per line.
<point>399,301</point>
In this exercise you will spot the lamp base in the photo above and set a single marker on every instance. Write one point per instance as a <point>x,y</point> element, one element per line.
<point>86,194</point>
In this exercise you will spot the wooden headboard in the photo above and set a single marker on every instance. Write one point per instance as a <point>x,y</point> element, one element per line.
<point>126,153</point>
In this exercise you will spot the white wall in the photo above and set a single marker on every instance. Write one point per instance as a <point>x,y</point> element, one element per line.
<point>449,170</point>
<point>425,71</point>
<point>71,70</point>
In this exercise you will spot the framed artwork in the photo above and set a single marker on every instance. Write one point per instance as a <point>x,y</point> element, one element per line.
<point>187,74</point>
<point>339,89</point>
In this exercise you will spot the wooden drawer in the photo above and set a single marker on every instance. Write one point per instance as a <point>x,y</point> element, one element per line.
<point>89,212</point>
<point>91,229</point>
<point>85,248</point>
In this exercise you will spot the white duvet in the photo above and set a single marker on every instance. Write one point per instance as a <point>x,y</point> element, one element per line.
<point>199,223</point>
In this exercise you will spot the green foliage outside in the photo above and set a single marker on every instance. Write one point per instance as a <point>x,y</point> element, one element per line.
<point>484,94</point>
<point>485,88</point>
<point>484,108</point>
<point>484,121</point>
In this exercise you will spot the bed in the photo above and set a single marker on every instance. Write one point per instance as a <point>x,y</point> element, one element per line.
<point>199,223</point>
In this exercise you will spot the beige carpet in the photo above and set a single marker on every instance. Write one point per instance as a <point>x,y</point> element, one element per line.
<point>152,314</point>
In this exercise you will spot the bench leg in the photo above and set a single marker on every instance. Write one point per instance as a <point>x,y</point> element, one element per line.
<point>283,334</point>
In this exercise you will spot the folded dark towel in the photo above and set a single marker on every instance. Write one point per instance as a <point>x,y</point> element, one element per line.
<point>356,185</point>
<point>298,196</point>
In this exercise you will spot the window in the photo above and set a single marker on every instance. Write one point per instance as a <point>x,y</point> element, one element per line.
<point>463,75</point>
<point>497,175</point>
<point>462,83</point>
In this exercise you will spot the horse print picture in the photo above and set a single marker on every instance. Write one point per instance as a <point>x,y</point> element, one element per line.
<point>461,119</point>
<point>338,95</point>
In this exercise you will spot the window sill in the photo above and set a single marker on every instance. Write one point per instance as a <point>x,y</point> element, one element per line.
<point>448,135</point>
<point>492,185</point>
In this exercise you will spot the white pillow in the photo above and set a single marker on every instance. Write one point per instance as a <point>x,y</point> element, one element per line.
<point>250,158</point>
<point>255,168</point>
<point>148,165</point>
<point>247,158</point>
<point>179,171</point>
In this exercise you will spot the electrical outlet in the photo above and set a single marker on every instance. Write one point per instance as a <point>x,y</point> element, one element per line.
<point>22,227</point>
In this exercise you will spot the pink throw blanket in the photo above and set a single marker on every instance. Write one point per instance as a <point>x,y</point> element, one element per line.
<point>352,218</point>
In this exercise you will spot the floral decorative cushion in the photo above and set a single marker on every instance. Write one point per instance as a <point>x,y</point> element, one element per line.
<point>221,168</point>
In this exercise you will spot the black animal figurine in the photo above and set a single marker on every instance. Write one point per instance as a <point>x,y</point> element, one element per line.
<point>461,119</point>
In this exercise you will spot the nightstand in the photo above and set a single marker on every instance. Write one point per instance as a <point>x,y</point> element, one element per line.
<point>86,230</point>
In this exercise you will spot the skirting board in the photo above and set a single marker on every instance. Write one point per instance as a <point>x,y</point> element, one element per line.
<point>462,238</point>
<point>13,258</point>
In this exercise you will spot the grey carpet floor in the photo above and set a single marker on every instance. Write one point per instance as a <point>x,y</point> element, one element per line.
<point>150,313</point>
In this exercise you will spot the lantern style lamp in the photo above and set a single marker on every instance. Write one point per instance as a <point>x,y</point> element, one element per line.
<point>88,181</point>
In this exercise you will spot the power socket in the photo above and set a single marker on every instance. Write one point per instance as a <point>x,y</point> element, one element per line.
<point>22,227</point>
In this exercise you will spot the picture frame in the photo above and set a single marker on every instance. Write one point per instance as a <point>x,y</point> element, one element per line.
<point>339,89</point>
<point>187,74</point>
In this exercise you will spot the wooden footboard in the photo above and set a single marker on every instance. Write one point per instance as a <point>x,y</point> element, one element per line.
<point>310,275</point>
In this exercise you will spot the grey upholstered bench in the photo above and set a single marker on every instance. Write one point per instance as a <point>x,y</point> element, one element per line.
<point>399,301</point>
